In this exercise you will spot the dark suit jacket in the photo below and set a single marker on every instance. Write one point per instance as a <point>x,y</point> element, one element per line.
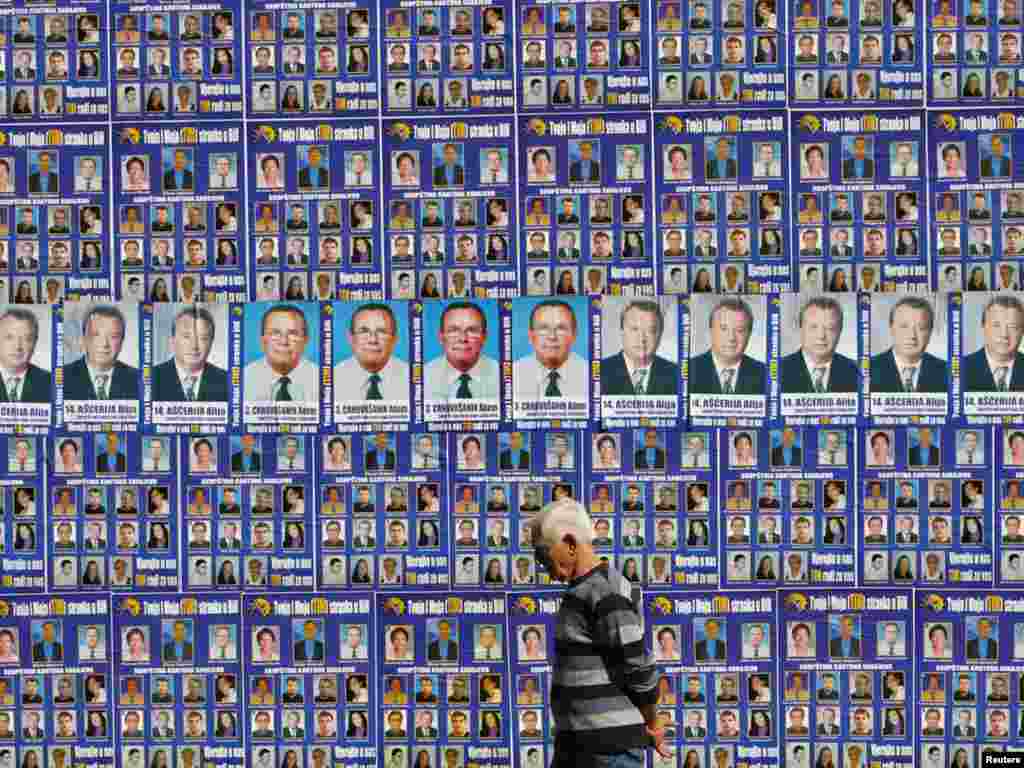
<point>576,171</point>
<point>662,379</point>
<point>507,461</point>
<point>371,460</point>
<point>170,182</point>
<point>835,648</point>
<point>300,651</point>
<point>640,459</point>
<point>104,462</point>
<point>434,652</point>
<point>796,379</point>
<point>850,168</point>
<point>124,383</point>
<point>702,651</point>
<point>987,168</point>
<point>441,179</point>
<point>35,183</point>
<point>704,379</point>
<point>167,386</point>
<point>779,456</point>
<point>38,655</point>
<point>972,650</point>
<point>885,376</point>
<point>254,462</point>
<point>188,654</point>
<point>323,176</point>
<point>35,388</point>
<point>711,169</point>
<point>914,460</point>
<point>977,377</point>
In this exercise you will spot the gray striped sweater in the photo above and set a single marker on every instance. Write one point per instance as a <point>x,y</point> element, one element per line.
<point>602,671</point>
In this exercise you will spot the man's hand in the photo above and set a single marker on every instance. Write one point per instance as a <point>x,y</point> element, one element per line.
<point>657,733</point>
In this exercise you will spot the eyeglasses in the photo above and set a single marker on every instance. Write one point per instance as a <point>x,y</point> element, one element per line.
<point>552,330</point>
<point>289,336</point>
<point>472,332</point>
<point>365,333</point>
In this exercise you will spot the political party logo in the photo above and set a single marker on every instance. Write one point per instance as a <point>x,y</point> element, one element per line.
<point>261,606</point>
<point>524,606</point>
<point>400,131</point>
<point>131,606</point>
<point>263,133</point>
<point>537,126</point>
<point>797,602</point>
<point>933,602</point>
<point>394,606</point>
<point>945,121</point>
<point>131,135</point>
<point>661,606</point>
<point>810,123</point>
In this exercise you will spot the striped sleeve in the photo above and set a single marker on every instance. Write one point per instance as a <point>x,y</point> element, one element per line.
<point>619,631</point>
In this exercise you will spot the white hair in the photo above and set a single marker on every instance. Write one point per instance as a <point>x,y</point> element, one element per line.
<point>555,520</point>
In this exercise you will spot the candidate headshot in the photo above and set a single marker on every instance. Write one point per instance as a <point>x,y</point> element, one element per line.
<point>907,366</point>
<point>465,366</point>
<point>551,368</point>
<point>99,373</point>
<point>726,368</point>
<point>23,380</point>
<point>997,365</point>
<point>188,374</point>
<point>282,371</point>
<point>816,366</point>
<point>638,369</point>
<point>376,368</point>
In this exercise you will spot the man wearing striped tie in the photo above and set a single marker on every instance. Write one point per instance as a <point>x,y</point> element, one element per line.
<point>816,367</point>
<point>726,368</point>
<point>98,374</point>
<point>188,375</point>
<point>998,365</point>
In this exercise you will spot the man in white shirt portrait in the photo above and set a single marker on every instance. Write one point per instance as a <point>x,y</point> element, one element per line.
<point>553,369</point>
<point>282,373</point>
<point>462,371</point>
<point>373,372</point>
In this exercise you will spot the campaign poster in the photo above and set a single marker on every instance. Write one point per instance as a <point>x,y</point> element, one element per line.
<point>650,493</point>
<point>23,532</point>
<point>247,512</point>
<point>178,196</point>
<point>98,382</point>
<point>281,373</point>
<point>27,359</point>
<point>927,506</point>
<point>382,511</point>
<point>57,691</point>
<point>733,54</point>
<point>1009,548</point>
<point>820,359</point>
<point>908,339</point>
<point>54,219</point>
<point>314,226</point>
<point>177,60</point>
<point>991,365</point>
<point>498,482</point>
<point>641,354</point>
<point>788,506</point>
<point>585,189</point>
<point>594,57</point>
<point>977,199</point>
<point>846,656</point>
<point>450,193</point>
<point>721,203</point>
<point>309,681</point>
<point>848,53</point>
<point>857,185</point>
<point>443,676</point>
<point>727,371</point>
<point>974,49</point>
<point>551,352</point>
<point>447,58</point>
<point>718,688</point>
<point>309,58</point>
<point>458,344</point>
<point>57,57</point>
<point>188,378</point>
<point>179,669</point>
<point>972,649</point>
<point>532,633</point>
<point>113,510</point>
<point>371,357</point>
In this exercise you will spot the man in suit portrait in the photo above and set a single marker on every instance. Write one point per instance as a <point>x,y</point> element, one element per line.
<point>860,166</point>
<point>48,647</point>
<point>444,647</point>
<point>726,368</point>
<point>638,369</point>
<point>282,373</point>
<point>712,647</point>
<point>788,453</point>
<point>179,648</point>
<point>816,366</point>
<point>722,165</point>
<point>515,456</point>
<point>846,646</point>
<point>586,168</point>
<point>179,178</point>
<point>372,372</point>
<point>983,647</point>
<point>925,453</point>
<point>309,648</point>
<point>112,459</point>
<point>906,366</point>
<point>650,455</point>
<point>247,459</point>
<point>188,375</point>
<point>98,374</point>
<point>381,455</point>
<point>450,173</point>
<point>998,365</point>
<point>996,164</point>
<point>462,371</point>
<point>44,181</point>
<point>314,176</point>
<point>23,381</point>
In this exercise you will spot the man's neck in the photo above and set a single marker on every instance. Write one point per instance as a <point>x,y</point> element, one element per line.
<point>905,363</point>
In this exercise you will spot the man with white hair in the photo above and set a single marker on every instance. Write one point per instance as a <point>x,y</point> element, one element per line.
<point>604,697</point>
